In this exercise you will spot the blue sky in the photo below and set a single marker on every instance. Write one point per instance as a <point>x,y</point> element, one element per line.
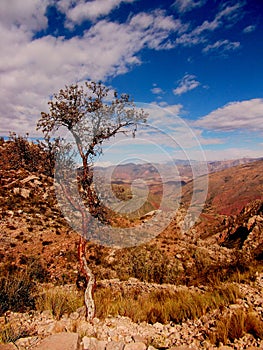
<point>199,59</point>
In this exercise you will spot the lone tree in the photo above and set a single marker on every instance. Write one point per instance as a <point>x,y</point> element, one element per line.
<point>86,113</point>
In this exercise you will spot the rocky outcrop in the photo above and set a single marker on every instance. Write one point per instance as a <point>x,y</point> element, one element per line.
<point>244,231</point>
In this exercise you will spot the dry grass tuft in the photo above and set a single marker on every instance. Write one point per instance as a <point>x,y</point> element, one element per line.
<point>59,301</point>
<point>235,326</point>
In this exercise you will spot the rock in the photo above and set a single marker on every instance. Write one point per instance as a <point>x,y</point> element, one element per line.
<point>135,346</point>
<point>29,178</point>
<point>114,345</point>
<point>61,341</point>
<point>93,344</point>
<point>16,190</point>
<point>74,315</point>
<point>24,192</point>
<point>138,338</point>
<point>25,343</point>
<point>8,347</point>
<point>182,347</point>
<point>150,347</point>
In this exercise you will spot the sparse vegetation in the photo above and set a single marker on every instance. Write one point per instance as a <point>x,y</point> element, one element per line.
<point>9,333</point>
<point>163,306</point>
<point>34,231</point>
<point>58,300</point>
<point>16,291</point>
<point>234,325</point>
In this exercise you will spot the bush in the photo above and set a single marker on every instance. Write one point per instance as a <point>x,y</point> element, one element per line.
<point>146,263</point>
<point>18,284</point>
<point>16,292</point>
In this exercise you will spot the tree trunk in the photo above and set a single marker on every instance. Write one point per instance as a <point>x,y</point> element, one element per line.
<point>90,278</point>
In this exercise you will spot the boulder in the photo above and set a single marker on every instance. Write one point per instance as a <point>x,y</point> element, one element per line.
<point>60,341</point>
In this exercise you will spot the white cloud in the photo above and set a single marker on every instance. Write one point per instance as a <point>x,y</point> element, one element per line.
<point>27,14</point>
<point>246,115</point>
<point>183,6</point>
<point>227,16</point>
<point>157,91</point>
<point>187,83</point>
<point>78,11</point>
<point>222,46</point>
<point>249,29</point>
<point>32,69</point>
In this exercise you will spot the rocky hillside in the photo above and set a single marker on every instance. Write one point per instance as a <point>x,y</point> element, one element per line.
<point>139,288</point>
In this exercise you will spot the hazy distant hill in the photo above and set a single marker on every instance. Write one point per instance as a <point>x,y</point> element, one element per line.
<point>232,188</point>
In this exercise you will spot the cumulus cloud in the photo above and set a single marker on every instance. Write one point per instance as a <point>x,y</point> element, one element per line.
<point>33,68</point>
<point>78,11</point>
<point>34,65</point>
<point>246,115</point>
<point>27,14</point>
<point>187,83</point>
<point>183,6</point>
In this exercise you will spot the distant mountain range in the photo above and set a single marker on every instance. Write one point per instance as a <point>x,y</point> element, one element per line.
<point>179,171</point>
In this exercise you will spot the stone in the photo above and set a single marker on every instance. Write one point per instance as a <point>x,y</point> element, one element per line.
<point>25,343</point>
<point>138,338</point>
<point>16,190</point>
<point>25,193</point>
<point>150,347</point>
<point>93,344</point>
<point>29,178</point>
<point>74,315</point>
<point>60,341</point>
<point>8,347</point>
<point>135,346</point>
<point>114,345</point>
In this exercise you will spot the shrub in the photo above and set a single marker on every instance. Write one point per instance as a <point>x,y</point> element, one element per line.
<point>18,284</point>
<point>16,292</point>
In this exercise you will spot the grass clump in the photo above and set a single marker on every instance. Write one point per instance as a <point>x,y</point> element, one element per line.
<point>235,326</point>
<point>16,292</point>
<point>163,306</point>
<point>10,333</point>
<point>59,301</point>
